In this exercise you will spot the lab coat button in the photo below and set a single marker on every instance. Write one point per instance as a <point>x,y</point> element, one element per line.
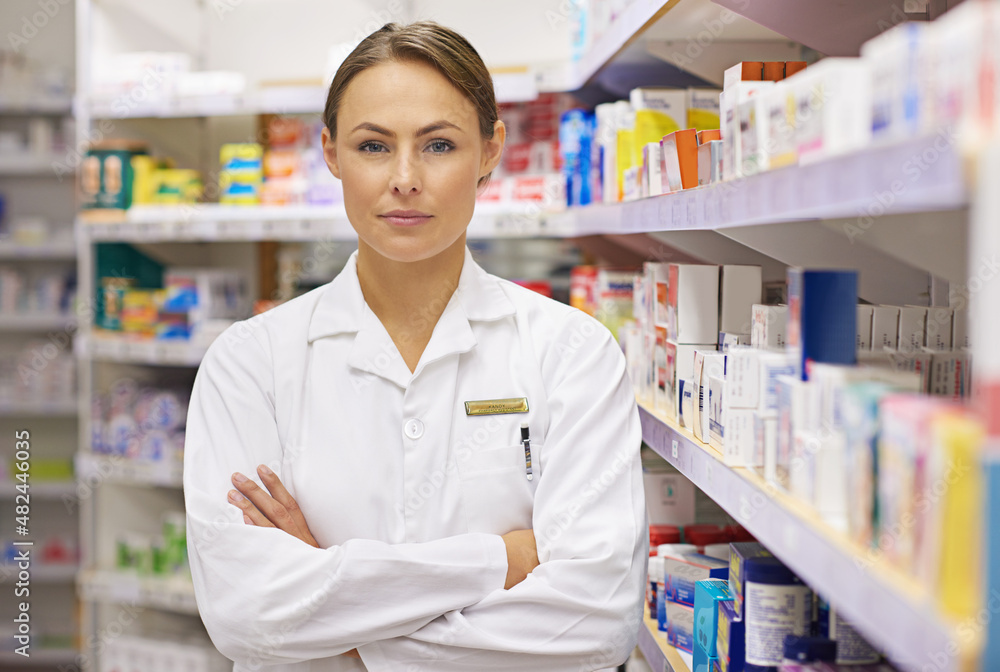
<point>413,428</point>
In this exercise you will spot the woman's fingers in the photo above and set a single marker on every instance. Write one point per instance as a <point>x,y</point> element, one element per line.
<point>281,495</point>
<point>251,516</point>
<point>271,510</point>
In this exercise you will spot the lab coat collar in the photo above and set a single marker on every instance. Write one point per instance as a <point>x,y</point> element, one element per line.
<point>342,309</point>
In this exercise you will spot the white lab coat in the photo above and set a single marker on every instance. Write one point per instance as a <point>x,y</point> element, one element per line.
<point>407,495</point>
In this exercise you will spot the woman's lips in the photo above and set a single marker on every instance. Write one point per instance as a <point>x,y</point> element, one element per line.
<point>406,217</point>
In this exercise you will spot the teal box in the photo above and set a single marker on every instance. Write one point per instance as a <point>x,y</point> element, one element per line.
<point>707,595</point>
<point>701,661</point>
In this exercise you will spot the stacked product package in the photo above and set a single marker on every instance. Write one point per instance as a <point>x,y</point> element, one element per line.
<point>41,372</point>
<point>855,410</point>
<point>531,170</point>
<point>140,423</point>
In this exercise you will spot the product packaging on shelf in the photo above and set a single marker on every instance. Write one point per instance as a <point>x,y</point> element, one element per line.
<point>242,173</point>
<point>682,573</point>
<point>652,178</point>
<point>912,327</point>
<point>576,133</point>
<point>716,413</point>
<point>851,649</point>
<point>938,330</point>
<point>709,593</point>
<point>775,604</point>
<point>693,303</point>
<point>837,93</point>
<point>732,98</point>
<point>703,109</point>
<point>106,175</point>
<point>901,60</point>
<point>754,118</point>
<point>731,642</point>
<point>707,364</point>
<point>709,162</point>
<point>680,626</point>
<point>679,154</point>
<point>885,327</point>
<point>769,325</point>
<point>739,289</point>
<point>864,327</point>
<point>822,317</point>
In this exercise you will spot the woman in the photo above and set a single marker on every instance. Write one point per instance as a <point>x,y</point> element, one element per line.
<point>403,524</point>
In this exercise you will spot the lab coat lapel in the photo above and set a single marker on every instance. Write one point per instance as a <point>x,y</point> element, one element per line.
<point>375,352</point>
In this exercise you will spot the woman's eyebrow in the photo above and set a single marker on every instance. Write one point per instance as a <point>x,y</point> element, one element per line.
<point>430,128</point>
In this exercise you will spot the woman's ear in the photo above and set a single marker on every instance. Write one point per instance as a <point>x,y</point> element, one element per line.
<point>330,152</point>
<point>493,149</point>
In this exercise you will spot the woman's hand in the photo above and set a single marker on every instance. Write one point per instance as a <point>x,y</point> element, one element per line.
<point>522,556</point>
<point>274,509</point>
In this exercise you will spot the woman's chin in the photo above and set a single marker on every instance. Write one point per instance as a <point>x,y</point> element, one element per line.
<point>409,249</point>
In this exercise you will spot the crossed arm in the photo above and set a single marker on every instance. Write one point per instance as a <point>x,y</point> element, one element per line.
<point>275,507</point>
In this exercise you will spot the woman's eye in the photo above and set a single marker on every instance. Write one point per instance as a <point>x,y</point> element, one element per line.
<point>371,147</point>
<point>440,146</point>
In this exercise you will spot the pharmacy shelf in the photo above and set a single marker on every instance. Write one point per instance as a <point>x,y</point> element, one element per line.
<point>175,594</point>
<point>52,408</point>
<point>112,348</point>
<point>35,321</point>
<point>636,18</point>
<point>656,651</point>
<point>40,657</point>
<point>93,468</point>
<point>41,489</point>
<point>212,222</point>
<point>36,105</point>
<point>893,611</point>
<point>42,573</point>
<point>842,187</point>
<point>59,250</point>
<point>32,164</point>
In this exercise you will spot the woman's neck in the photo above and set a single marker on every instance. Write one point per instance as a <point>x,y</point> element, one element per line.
<point>409,297</point>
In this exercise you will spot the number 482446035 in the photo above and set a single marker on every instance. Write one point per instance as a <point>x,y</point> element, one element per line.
<point>22,455</point>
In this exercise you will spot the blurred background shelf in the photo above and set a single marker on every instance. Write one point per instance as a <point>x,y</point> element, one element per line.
<point>94,468</point>
<point>175,594</point>
<point>40,489</point>
<point>53,408</point>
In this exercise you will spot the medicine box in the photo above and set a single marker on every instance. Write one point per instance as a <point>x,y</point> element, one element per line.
<point>661,385</point>
<point>709,162</point>
<point>731,640</point>
<point>701,661</point>
<point>901,64</point>
<point>864,341</point>
<point>730,101</point>
<point>738,438</point>
<point>708,593</point>
<point>751,378</point>
<point>730,340</point>
<point>837,93</point>
<point>950,375</point>
<point>693,303</point>
<point>707,363</point>
<point>685,415</point>
<point>765,445</point>
<point>716,413</point>
<point>885,327</point>
<point>703,109</point>
<point>680,626</point>
<point>781,145</point>
<point>680,365</point>
<point>679,155</point>
<point>742,72</point>
<point>652,183</point>
<point>822,317</point>
<point>754,119</point>
<point>960,329</point>
<point>681,574</point>
<point>739,289</point>
<point>912,325</point>
<point>739,554</point>
<point>769,325</point>
<point>938,328</point>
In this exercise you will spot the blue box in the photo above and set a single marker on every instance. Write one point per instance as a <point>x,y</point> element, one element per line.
<point>680,575</point>
<point>707,594</point>
<point>731,643</point>
<point>680,627</point>
<point>822,317</point>
<point>739,552</point>
<point>701,661</point>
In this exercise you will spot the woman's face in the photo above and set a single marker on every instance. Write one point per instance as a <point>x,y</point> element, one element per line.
<point>410,154</point>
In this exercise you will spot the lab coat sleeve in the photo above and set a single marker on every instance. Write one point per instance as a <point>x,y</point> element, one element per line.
<point>265,596</point>
<point>581,608</point>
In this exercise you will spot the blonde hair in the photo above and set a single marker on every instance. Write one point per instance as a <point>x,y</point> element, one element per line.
<point>443,48</point>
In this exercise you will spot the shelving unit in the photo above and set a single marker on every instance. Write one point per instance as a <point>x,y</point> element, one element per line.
<point>30,164</point>
<point>898,222</point>
<point>41,657</point>
<point>35,322</point>
<point>59,250</point>
<point>32,409</point>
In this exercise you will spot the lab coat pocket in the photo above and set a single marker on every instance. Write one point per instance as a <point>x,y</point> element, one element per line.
<point>497,496</point>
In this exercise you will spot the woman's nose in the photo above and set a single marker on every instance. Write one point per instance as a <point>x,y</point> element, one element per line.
<point>405,176</point>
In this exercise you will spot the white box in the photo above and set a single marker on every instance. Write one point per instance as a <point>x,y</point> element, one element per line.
<point>836,95</point>
<point>661,291</point>
<point>685,417</point>
<point>651,180</point>
<point>709,162</point>
<point>885,327</point>
<point>716,413</point>
<point>960,329</point>
<point>661,383</point>
<point>755,121</point>
<point>707,364</point>
<point>901,60</point>
<point>680,365</point>
<point>693,303</point>
<point>938,330</point>
<point>769,324</point>
<point>740,288</point>
<point>729,340</point>
<point>751,378</point>
<point>729,102</point>
<point>918,362</point>
<point>671,102</point>
<point>949,375</point>
<point>703,109</point>
<point>765,446</point>
<point>912,325</point>
<point>669,498</point>
<point>865,327</point>
<point>738,440</point>
<point>782,149</point>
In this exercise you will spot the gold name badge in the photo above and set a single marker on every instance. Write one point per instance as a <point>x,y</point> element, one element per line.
<point>497,406</point>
